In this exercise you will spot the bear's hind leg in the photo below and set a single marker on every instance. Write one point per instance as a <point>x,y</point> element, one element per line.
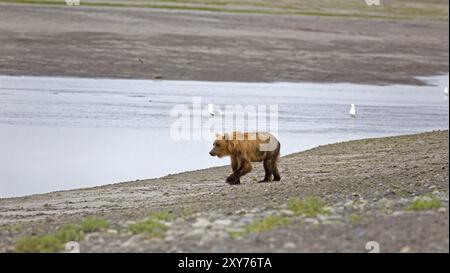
<point>276,173</point>
<point>268,170</point>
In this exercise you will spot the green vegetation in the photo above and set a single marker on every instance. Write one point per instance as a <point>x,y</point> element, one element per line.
<point>425,203</point>
<point>150,228</point>
<point>93,225</point>
<point>309,207</point>
<point>69,233</point>
<point>153,226</point>
<point>12,229</point>
<point>42,244</point>
<point>186,212</point>
<point>160,215</point>
<point>356,218</point>
<point>55,242</point>
<point>392,9</point>
<point>266,224</point>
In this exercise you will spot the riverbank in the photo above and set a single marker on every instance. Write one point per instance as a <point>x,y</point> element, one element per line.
<point>335,197</point>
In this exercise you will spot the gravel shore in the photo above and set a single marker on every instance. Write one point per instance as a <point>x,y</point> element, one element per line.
<point>333,198</point>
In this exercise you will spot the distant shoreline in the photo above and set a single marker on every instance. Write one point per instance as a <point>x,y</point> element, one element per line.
<point>187,45</point>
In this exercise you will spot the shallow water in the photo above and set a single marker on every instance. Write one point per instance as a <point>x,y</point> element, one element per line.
<point>65,133</point>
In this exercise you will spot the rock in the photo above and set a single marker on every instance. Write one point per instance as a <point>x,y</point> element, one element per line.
<point>112,231</point>
<point>423,198</point>
<point>403,201</point>
<point>331,210</point>
<point>384,203</point>
<point>212,236</point>
<point>195,234</point>
<point>133,241</point>
<point>405,249</point>
<point>389,192</point>
<point>398,213</point>
<point>201,223</point>
<point>289,245</point>
<point>235,230</point>
<point>311,221</point>
<point>179,221</point>
<point>169,238</point>
<point>348,203</point>
<point>286,212</point>
<point>222,222</point>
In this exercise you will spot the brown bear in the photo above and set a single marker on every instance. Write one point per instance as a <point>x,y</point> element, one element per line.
<point>244,148</point>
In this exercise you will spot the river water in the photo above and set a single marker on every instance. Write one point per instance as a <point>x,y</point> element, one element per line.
<point>66,133</point>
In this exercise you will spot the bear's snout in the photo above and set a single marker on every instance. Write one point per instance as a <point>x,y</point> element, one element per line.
<point>212,153</point>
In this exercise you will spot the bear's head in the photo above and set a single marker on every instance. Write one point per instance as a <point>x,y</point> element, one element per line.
<point>222,146</point>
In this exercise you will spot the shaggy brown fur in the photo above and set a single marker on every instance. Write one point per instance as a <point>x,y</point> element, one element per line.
<point>244,148</point>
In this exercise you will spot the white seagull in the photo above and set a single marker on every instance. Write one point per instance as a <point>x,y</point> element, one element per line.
<point>352,111</point>
<point>213,112</point>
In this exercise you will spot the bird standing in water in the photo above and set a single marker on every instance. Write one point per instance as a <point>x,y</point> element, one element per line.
<point>212,111</point>
<point>352,111</point>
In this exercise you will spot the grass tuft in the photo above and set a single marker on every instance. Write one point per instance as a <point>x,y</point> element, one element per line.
<point>93,225</point>
<point>153,226</point>
<point>425,203</point>
<point>69,233</point>
<point>150,228</point>
<point>356,218</point>
<point>266,224</point>
<point>55,242</point>
<point>309,207</point>
<point>41,244</point>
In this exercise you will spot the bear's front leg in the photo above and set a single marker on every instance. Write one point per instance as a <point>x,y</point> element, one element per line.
<point>244,168</point>
<point>233,180</point>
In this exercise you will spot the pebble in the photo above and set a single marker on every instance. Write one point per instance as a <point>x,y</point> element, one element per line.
<point>201,223</point>
<point>133,241</point>
<point>195,234</point>
<point>403,201</point>
<point>398,213</point>
<point>112,231</point>
<point>223,222</point>
<point>286,212</point>
<point>311,221</point>
<point>179,221</point>
<point>405,249</point>
<point>289,245</point>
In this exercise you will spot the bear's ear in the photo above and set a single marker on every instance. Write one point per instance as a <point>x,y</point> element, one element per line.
<point>226,136</point>
<point>218,136</point>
